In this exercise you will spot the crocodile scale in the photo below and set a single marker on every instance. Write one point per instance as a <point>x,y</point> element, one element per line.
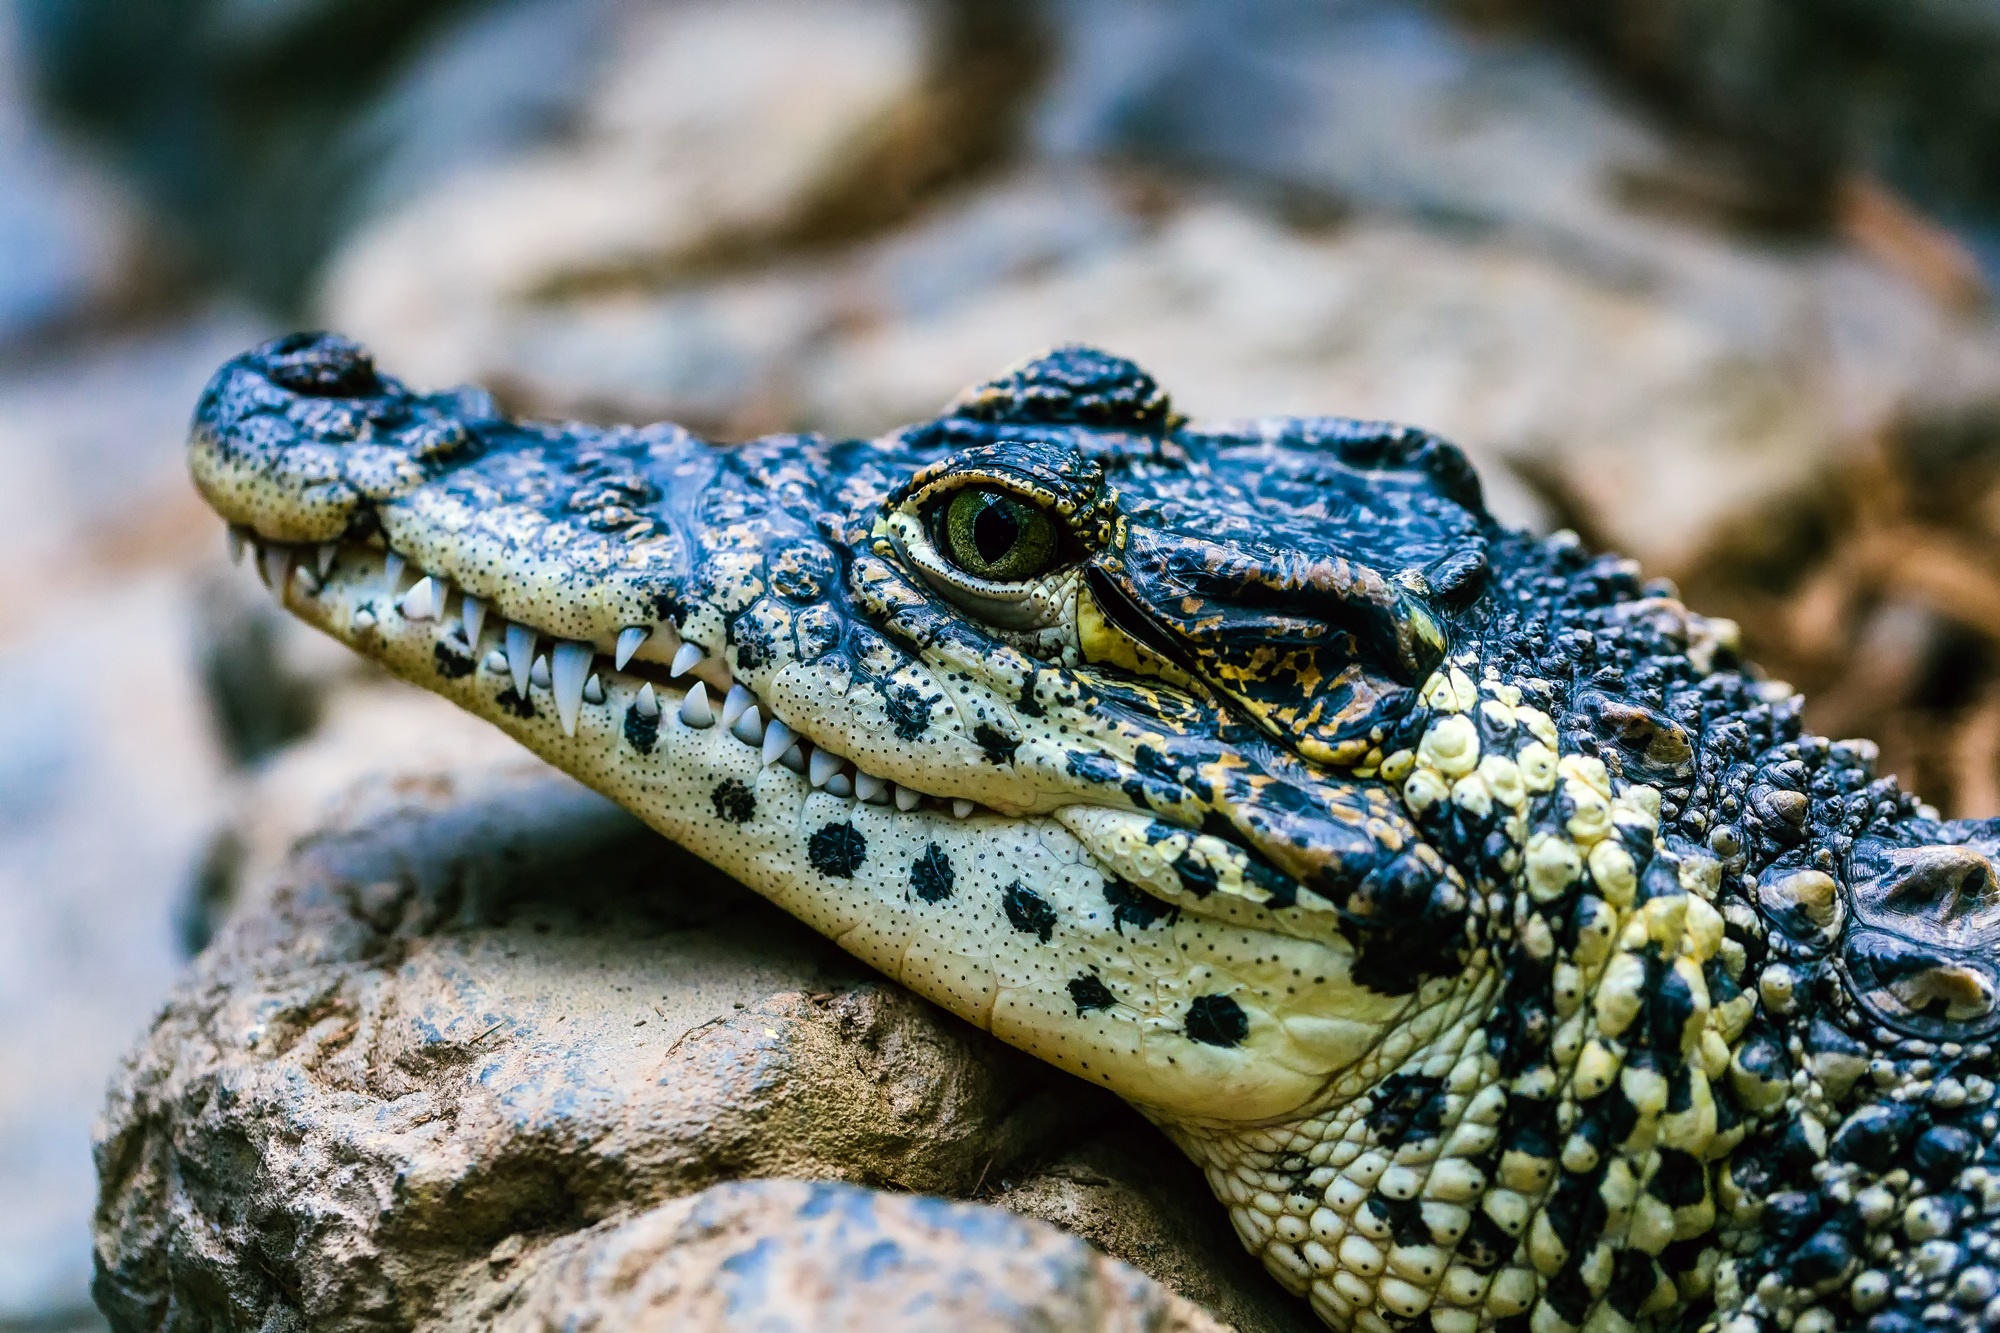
<point>1499,944</point>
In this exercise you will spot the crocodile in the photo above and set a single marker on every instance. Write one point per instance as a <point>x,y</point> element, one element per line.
<point>1495,939</point>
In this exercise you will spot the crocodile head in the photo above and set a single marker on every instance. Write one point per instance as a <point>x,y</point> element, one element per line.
<point>1503,952</point>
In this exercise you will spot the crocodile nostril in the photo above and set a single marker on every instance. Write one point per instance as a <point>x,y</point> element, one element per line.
<point>319,365</point>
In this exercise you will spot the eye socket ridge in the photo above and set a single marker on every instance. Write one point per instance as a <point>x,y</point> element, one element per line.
<point>997,535</point>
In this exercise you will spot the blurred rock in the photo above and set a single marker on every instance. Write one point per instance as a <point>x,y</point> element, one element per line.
<point>787,1255</point>
<point>261,132</point>
<point>1819,95</point>
<point>70,236</point>
<point>718,134</point>
<point>480,1011</point>
<point>109,785</point>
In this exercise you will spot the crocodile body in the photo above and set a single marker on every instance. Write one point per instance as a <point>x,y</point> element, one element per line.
<point>1499,945</point>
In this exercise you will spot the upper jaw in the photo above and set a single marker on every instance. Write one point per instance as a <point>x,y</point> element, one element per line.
<point>300,443</point>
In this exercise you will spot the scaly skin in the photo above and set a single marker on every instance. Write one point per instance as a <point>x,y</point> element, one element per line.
<point>1504,953</point>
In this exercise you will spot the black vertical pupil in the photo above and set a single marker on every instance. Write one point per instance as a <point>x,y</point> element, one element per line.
<point>995,530</point>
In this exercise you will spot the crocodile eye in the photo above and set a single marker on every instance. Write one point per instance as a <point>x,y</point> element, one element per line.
<point>996,536</point>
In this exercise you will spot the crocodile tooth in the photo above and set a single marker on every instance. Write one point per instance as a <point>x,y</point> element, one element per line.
<point>423,600</point>
<point>364,619</point>
<point>472,614</point>
<point>276,564</point>
<point>794,758</point>
<point>323,557</point>
<point>838,785</point>
<point>593,690</point>
<point>961,807</point>
<point>236,542</point>
<point>695,710</point>
<point>629,640</point>
<point>825,763</point>
<point>748,727</point>
<point>777,739</point>
<point>305,578</point>
<point>496,661</point>
<point>520,654</point>
<point>907,799</point>
<point>571,666</point>
<point>686,658</point>
<point>734,703</point>
<point>538,674</point>
<point>646,703</point>
<point>392,571</point>
<point>869,787</point>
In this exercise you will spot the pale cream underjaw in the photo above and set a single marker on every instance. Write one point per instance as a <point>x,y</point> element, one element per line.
<point>571,673</point>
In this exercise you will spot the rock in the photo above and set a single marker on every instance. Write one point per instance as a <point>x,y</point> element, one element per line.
<point>785,1254</point>
<point>709,132</point>
<point>70,234</point>
<point>484,1008</point>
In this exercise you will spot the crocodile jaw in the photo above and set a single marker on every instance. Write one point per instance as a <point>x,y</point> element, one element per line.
<point>921,894</point>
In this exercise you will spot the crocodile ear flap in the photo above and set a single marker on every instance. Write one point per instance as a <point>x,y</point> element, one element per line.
<point>1921,954</point>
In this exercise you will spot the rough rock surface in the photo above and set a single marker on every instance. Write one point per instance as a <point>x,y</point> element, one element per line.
<point>482,1012</point>
<point>784,1254</point>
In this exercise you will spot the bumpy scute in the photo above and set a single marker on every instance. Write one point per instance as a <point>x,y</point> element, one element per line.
<point>1502,947</point>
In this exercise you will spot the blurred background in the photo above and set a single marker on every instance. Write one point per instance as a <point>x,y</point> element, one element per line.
<point>1709,281</point>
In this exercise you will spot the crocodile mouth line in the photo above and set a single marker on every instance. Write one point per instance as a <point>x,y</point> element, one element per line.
<point>658,669</point>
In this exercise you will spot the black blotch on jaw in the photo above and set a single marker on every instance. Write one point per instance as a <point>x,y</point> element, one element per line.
<point>1216,1020</point>
<point>451,663</point>
<point>931,875</point>
<point>1134,905</point>
<point>1196,879</point>
<point>733,801</point>
<point>642,730</point>
<point>1028,912</point>
<point>512,702</point>
<point>837,850</point>
<point>999,748</point>
<point>909,712</point>
<point>1088,993</point>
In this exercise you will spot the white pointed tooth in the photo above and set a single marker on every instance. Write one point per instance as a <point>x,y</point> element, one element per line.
<point>472,614</point>
<point>571,666</point>
<point>538,674</point>
<point>520,642</point>
<point>421,602</point>
<point>364,619</point>
<point>392,571</point>
<point>305,578</point>
<point>236,544</point>
<point>869,787</point>
<point>838,785</point>
<point>323,557</point>
<point>686,658</point>
<point>907,799</point>
<point>961,807</point>
<point>276,563</point>
<point>794,758</point>
<point>629,640</point>
<point>734,703</point>
<point>695,711</point>
<point>778,738</point>
<point>748,728</point>
<point>646,702</point>
<point>825,763</point>
<point>496,662</point>
<point>593,690</point>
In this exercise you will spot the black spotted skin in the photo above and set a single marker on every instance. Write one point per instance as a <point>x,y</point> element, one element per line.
<point>1501,947</point>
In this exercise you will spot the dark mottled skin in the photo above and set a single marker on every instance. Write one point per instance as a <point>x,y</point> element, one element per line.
<point>1517,960</point>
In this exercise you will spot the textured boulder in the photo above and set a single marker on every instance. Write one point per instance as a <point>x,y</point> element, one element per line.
<point>481,1028</point>
<point>785,1254</point>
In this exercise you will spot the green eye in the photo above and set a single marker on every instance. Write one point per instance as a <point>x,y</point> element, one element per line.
<point>992,535</point>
